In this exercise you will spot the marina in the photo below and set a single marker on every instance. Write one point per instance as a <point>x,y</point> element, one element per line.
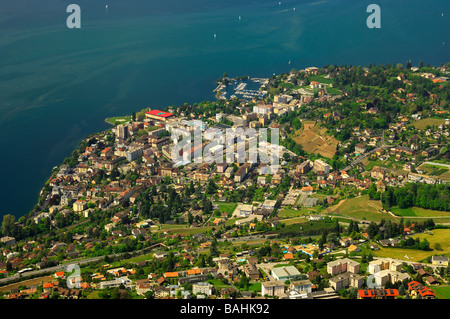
<point>245,89</point>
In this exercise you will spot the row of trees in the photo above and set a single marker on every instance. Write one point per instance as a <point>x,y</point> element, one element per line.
<point>434,196</point>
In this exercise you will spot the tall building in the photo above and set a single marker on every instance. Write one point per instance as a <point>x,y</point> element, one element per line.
<point>122,131</point>
<point>321,166</point>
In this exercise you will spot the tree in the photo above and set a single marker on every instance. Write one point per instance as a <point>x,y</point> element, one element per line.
<point>8,225</point>
<point>331,238</point>
<point>213,251</point>
<point>373,193</point>
<point>424,245</point>
<point>190,218</point>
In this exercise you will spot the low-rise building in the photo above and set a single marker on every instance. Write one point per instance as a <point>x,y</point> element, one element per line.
<point>285,273</point>
<point>301,285</point>
<point>439,261</point>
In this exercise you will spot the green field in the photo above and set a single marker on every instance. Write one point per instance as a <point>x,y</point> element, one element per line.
<point>256,287</point>
<point>227,207</point>
<point>286,85</point>
<point>217,283</point>
<point>423,123</point>
<point>442,292</point>
<point>118,120</point>
<point>441,236</point>
<point>419,212</point>
<point>320,79</point>
<point>361,207</point>
<point>289,213</point>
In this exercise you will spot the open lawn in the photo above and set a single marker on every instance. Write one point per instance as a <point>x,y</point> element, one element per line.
<point>314,139</point>
<point>442,292</point>
<point>218,283</point>
<point>286,85</point>
<point>118,120</point>
<point>418,212</point>
<point>294,220</point>
<point>423,123</point>
<point>360,207</point>
<point>256,286</point>
<point>28,283</point>
<point>227,207</point>
<point>441,236</point>
<point>289,213</point>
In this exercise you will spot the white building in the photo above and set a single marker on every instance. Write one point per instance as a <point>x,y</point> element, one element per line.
<point>262,109</point>
<point>202,288</point>
<point>285,273</point>
<point>272,288</point>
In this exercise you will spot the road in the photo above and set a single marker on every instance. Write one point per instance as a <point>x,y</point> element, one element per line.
<point>48,270</point>
<point>362,157</point>
<point>438,164</point>
<point>62,267</point>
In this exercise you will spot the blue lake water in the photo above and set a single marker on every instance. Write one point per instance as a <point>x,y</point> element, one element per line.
<point>58,84</point>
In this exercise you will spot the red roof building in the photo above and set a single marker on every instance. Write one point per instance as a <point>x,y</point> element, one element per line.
<point>378,294</point>
<point>158,115</point>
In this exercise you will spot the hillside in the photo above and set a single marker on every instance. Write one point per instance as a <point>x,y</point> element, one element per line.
<point>314,139</point>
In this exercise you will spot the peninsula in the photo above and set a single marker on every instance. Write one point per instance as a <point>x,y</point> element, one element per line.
<point>357,207</point>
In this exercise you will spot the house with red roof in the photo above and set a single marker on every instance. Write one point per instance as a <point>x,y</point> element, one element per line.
<point>416,289</point>
<point>59,274</point>
<point>378,294</point>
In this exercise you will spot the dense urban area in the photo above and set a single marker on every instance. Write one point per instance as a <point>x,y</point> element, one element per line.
<point>357,208</point>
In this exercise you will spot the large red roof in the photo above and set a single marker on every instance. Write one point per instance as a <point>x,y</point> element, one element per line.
<point>159,113</point>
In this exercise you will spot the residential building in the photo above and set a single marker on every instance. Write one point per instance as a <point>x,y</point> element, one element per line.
<point>360,148</point>
<point>304,167</point>
<point>416,289</point>
<point>342,265</point>
<point>79,206</point>
<point>143,288</point>
<point>321,166</point>
<point>378,294</point>
<point>346,279</point>
<point>272,288</point>
<point>262,109</point>
<point>439,261</point>
<point>8,241</point>
<point>122,131</point>
<point>251,271</point>
<point>202,288</point>
<point>301,285</point>
<point>116,283</point>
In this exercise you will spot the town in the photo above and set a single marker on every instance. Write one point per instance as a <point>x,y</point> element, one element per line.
<point>357,207</point>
